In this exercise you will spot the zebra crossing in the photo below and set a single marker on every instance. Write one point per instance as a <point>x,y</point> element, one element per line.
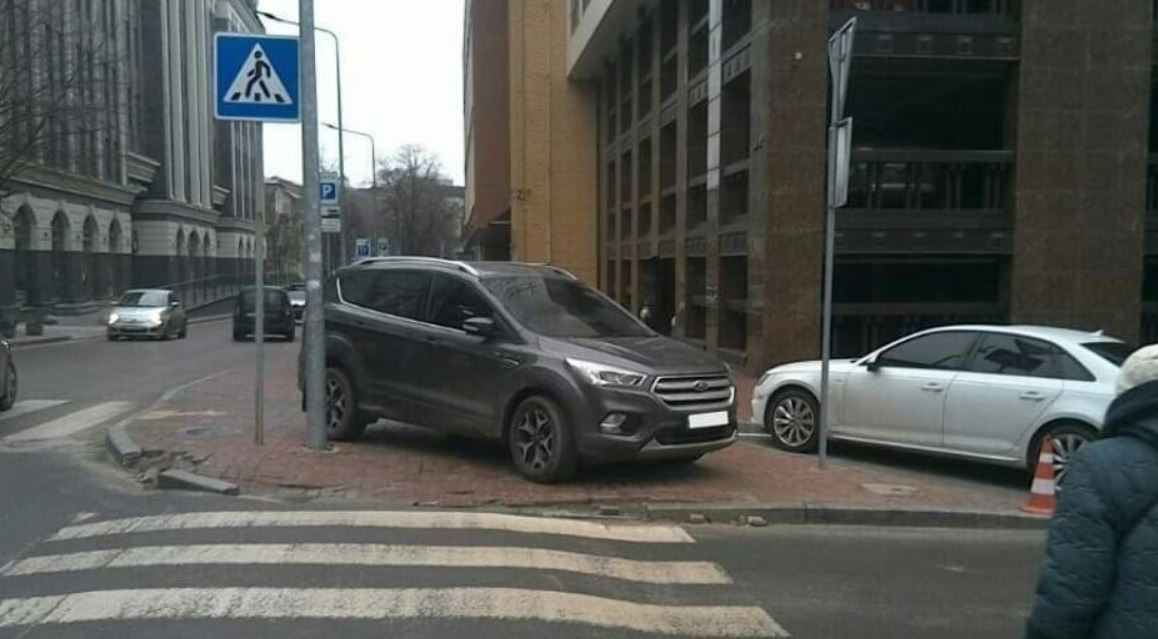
<point>382,567</point>
<point>59,424</point>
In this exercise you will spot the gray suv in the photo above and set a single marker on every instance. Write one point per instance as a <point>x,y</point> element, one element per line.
<point>520,353</point>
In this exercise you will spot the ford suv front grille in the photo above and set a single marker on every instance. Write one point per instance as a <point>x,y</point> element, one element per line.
<point>695,392</point>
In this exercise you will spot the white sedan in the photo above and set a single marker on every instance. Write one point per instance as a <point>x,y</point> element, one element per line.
<point>989,393</point>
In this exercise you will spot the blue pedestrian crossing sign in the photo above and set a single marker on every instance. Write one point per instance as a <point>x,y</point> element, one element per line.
<point>256,78</point>
<point>328,191</point>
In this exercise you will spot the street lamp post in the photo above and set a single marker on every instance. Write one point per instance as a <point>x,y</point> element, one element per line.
<point>373,157</point>
<point>341,141</point>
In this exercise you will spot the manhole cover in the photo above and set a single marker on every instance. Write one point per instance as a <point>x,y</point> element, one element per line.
<point>207,432</point>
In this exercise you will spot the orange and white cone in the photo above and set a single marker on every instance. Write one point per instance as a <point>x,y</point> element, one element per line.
<point>1042,499</point>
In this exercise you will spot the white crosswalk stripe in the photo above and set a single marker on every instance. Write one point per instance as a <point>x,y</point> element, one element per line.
<point>27,406</point>
<point>380,519</point>
<point>72,423</point>
<point>77,576</point>
<point>658,572</point>
<point>389,603</point>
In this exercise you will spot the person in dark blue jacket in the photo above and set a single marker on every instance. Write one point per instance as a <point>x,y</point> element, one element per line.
<point>1100,576</point>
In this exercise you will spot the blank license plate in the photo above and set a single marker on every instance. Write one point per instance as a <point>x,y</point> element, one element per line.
<point>708,420</point>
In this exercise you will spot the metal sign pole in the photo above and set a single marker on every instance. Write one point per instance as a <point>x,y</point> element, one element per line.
<point>313,343</point>
<point>839,136</point>
<point>259,335</point>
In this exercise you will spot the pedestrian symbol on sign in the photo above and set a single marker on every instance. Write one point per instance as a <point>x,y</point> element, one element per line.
<point>257,82</point>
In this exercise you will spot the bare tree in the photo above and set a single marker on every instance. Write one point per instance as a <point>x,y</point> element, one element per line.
<point>420,217</point>
<point>59,93</point>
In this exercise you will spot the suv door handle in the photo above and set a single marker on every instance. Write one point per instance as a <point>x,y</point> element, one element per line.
<point>431,339</point>
<point>1032,396</point>
<point>932,387</point>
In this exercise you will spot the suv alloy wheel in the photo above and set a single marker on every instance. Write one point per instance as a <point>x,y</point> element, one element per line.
<point>540,441</point>
<point>342,419</point>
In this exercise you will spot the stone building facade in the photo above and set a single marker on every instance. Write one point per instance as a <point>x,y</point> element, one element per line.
<point>144,188</point>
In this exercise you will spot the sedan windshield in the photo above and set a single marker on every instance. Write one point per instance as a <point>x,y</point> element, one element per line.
<point>144,299</point>
<point>1113,352</point>
<point>558,307</point>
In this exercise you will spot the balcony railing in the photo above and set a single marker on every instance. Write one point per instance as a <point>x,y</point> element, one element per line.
<point>929,180</point>
<point>952,7</point>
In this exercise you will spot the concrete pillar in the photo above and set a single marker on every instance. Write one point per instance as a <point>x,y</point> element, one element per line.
<point>192,75</point>
<point>1079,197</point>
<point>176,110</point>
<point>789,107</point>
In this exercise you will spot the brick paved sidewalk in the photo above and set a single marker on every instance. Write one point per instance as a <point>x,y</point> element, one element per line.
<point>211,425</point>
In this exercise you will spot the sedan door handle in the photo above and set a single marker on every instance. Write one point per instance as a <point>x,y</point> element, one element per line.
<point>933,387</point>
<point>1032,396</point>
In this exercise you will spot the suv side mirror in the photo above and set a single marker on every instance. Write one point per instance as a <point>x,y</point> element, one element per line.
<point>483,327</point>
<point>174,303</point>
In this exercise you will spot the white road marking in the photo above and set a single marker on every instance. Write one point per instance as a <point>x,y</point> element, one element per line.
<point>655,534</point>
<point>655,572</point>
<point>30,406</point>
<point>73,422</point>
<point>386,604</point>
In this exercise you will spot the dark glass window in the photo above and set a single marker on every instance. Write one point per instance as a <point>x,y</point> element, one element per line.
<point>1002,354</point>
<point>561,307</point>
<point>453,301</point>
<point>1113,352</point>
<point>944,351</point>
<point>398,293</point>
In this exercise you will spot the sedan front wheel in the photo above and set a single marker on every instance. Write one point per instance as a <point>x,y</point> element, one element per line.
<point>792,419</point>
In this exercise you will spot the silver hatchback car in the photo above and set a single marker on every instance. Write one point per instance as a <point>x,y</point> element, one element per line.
<point>155,313</point>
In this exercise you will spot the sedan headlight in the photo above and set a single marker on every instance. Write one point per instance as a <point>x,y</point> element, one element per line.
<point>114,318</point>
<point>764,377</point>
<point>603,375</point>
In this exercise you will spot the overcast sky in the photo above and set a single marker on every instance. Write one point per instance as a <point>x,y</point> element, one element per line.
<point>401,82</point>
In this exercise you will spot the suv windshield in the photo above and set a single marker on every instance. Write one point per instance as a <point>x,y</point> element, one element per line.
<point>1113,352</point>
<point>144,299</point>
<point>559,307</point>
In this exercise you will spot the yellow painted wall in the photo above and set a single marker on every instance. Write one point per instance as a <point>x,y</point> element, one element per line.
<point>554,205</point>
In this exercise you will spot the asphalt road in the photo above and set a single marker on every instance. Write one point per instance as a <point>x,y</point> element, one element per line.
<point>181,565</point>
<point>89,381</point>
<point>86,552</point>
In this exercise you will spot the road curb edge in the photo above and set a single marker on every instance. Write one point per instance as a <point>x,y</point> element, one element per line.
<point>829,514</point>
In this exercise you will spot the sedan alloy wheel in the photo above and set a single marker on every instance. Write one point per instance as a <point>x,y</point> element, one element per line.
<point>792,421</point>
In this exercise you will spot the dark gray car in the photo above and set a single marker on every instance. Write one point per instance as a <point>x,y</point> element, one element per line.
<point>521,353</point>
<point>8,380</point>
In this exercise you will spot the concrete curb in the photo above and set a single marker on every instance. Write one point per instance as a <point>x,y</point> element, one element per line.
<point>185,480</point>
<point>121,445</point>
<point>39,341</point>
<point>209,318</point>
<point>829,514</point>
<point>127,453</point>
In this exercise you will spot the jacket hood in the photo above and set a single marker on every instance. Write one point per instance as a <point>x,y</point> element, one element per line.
<point>1134,414</point>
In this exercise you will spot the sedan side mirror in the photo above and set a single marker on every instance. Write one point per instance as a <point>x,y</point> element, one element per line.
<point>483,327</point>
<point>174,304</point>
<point>872,364</point>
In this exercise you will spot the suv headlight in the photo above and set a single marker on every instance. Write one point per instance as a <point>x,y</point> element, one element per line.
<point>603,375</point>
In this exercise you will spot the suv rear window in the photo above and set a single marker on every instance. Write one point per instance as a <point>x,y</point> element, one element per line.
<point>274,300</point>
<point>1113,352</point>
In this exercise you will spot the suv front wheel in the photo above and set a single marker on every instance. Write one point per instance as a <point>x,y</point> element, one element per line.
<point>540,441</point>
<point>343,421</point>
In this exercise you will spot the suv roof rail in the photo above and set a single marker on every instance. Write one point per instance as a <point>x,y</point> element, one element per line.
<point>561,271</point>
<point>403,259</point>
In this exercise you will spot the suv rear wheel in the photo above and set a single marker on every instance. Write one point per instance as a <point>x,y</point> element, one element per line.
<point>343,421</point>
<point>540,442</point>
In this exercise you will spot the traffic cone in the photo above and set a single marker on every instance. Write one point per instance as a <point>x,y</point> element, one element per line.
<point>1042,500</point>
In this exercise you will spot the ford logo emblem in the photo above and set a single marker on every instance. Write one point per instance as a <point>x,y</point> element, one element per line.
<point>701,386</point>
